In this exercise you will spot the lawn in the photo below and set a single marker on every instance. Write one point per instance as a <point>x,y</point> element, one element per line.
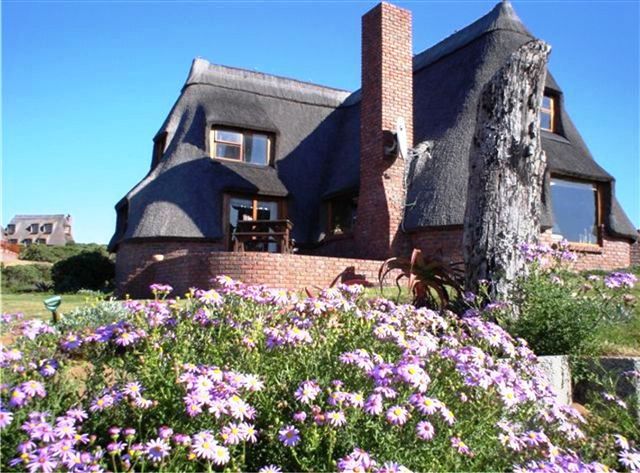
<point>624,339</point>
<point>30,303</point>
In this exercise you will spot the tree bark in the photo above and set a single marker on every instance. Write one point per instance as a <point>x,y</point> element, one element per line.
<point>506,172</point>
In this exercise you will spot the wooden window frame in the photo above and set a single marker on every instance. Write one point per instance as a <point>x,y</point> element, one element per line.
<point>551,111</point>
<point>243,132</point>
<point>599,207</point>
<point>280,201</point>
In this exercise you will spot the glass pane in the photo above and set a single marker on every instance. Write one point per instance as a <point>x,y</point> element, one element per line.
<point>546,102</point>
<point>229,136</point>
<point>545,120</point>
<point>343,213</point>
<point>227,151</point>
<point>256,149</point>
<point>239,209</point>
<point>268,211</point>
<point>574,210</point>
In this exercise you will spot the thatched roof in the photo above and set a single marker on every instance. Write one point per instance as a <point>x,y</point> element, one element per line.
<point>317,141</point>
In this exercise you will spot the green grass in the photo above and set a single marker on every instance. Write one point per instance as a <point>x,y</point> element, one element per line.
<point>624,339</point>
<point>30,303</point>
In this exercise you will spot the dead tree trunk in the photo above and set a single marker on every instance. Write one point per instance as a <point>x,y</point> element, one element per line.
<point>506,171</point>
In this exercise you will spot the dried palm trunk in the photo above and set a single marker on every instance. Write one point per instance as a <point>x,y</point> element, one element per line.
<point>506,171</point>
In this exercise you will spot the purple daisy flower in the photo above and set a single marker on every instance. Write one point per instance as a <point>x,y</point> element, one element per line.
<point>336,418</point>
<point>270,469</point>
<point>307,392</point>
<point>397,415</point>
<point>425,430</point>
<point>203,445</point>
<point>289,436</point>
<point>42,462</point>
<point>6,418</point>
<point>157,449</point>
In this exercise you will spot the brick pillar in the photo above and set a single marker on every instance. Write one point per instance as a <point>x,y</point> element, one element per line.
<point>387,94</point>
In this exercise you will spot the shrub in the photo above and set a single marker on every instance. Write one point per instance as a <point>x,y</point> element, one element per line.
<point>26,278</point>
<point>560,312</point>
<point>53,254</point>
<point>245,377</point>
<point>86,270</point>
<point>93,314</point>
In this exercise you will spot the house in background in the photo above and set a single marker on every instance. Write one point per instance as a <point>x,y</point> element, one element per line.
<point>52,230</point>
<point>242,152</point>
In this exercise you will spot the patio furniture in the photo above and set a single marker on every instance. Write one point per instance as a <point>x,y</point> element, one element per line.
<point>263,235</point>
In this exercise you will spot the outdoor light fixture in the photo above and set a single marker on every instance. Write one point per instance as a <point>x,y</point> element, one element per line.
<point>52,304</point>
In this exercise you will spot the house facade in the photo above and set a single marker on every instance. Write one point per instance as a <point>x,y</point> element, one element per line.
<point>241,147</point>
<point>52,230</point>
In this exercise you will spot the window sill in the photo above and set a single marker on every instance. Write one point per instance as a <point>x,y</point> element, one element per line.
<point>239,162</point>
<point>338,237</point>
<point>585,248</point>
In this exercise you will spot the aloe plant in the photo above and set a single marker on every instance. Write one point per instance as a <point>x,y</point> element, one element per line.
<point>431,282</point>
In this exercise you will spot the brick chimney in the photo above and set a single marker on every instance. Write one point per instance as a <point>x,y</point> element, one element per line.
<point>387,94</point>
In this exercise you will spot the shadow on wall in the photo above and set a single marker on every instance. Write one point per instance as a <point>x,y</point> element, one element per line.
<point>195,268</point>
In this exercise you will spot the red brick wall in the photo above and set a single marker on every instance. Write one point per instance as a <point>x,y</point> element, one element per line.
<point>613,254</point>
<point>193,264</point>
<point>387,94</point>
<point>635,252</point>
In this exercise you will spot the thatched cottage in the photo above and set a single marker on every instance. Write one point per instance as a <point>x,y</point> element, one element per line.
<point>288,183</point>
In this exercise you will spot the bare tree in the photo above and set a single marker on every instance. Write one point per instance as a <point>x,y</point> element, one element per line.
<point>506,171</point>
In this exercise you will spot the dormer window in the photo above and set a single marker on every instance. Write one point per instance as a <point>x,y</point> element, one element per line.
<point>33,228</point>
<point>159,145</point>
<point>47,228</point>
<point>11,229</point>
<point>547,113</point>
<point>241,145</point>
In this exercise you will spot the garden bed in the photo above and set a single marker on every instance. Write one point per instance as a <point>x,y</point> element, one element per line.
<point>250,378</point>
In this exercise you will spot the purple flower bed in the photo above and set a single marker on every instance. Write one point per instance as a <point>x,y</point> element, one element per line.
<point>255,379</point>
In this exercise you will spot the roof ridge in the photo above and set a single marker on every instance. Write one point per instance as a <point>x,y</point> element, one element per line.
<point>501,17</point>
<point>204,72</point>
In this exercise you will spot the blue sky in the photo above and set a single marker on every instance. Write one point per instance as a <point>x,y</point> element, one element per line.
<point>86,85</point>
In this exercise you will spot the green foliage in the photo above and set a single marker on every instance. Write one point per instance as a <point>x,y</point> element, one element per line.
<point>93,314</point>
<point>564,313</point>
<point>432,282</point>
<point>255,347</point>
<point>87,270</point>
<point>53,254</point>
<point>26,278</point>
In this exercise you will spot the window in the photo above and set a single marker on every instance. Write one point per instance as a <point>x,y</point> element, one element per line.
<point>243,146</point>
<point>575,210</point>
<point>41,241</point>
<point>547,113</point>
<point>27,241</point>
<point>13,240</point>
<point>250,208</point>
<point>47,228</point>
<point>33,228</point>
<point>342,212</point>
<point>11,229</point>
